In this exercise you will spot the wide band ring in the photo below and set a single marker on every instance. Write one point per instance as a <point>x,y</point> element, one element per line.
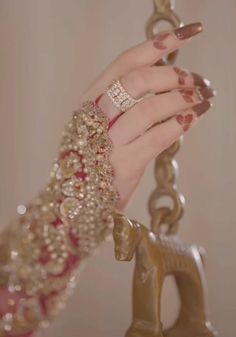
<point>120,97</point>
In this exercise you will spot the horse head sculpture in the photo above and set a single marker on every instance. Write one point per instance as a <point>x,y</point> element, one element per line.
<point>155,257</point>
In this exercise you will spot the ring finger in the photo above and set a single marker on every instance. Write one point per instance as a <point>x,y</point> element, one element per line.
<point>160,137</point>
<point>152,80</point>
<point>155,109</point>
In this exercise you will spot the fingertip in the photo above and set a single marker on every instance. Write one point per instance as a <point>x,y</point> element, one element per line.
<point>188,31</point>
<point>202,107</point>
<point>205,93</point>
<point>200,81</point>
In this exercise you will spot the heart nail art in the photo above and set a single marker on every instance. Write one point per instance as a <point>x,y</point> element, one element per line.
<point>187,95</point>
<point>158,41</point>
<point>182,74</point>
<point>185,121</point>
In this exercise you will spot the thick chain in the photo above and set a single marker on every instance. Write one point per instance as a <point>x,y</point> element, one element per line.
<point>163,12</point>
<point>165,166</point>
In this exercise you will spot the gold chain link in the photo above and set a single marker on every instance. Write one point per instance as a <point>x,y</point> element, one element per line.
<point>165,165</point>
<point>163,11</point>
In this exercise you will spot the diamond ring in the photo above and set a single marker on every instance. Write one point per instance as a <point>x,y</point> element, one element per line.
<point>120,97</point>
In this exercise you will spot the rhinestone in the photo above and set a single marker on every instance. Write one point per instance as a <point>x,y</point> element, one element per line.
<point>8,316</point>
<point>61,260</point>
<point>81,196</point>
<point>70,208</point>
<point>18,287</point>
<point>82,130</point>
<point>7,327</point>
<point>70,186</point>
<point>116,92</point>
<point>81,143</point>
<point>44,208</point>
<point>44,324</point>
<point>21,209</point>
<point>11,288</point>
<point>14,254</point>
<point>11,302</point>
<point>62,232</point>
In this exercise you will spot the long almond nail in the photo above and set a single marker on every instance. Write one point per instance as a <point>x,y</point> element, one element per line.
<point>206,93</point>
<point>188,31</point>
<point>200,81</point>
<point>201,108</point>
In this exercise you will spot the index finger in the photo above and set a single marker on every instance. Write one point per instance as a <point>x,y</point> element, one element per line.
<point>149,52</point>
<point>144,54</point>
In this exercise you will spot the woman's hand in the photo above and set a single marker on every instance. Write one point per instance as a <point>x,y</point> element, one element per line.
<point>177,100</point>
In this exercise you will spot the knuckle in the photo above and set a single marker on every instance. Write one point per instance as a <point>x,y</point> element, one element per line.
<point>143,74</point>
<point>139,79</point>
<point>149,111</point>
<point>145,114</point>
<point>154,140</point>
<point>136,77</point>
<point>159,141</point>
<point>124,58</point>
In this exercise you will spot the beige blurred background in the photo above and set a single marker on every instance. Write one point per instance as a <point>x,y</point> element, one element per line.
<point>49,52</point>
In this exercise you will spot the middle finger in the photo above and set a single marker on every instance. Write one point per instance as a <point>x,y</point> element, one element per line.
<point>152,80</point>
<point>156,109</point>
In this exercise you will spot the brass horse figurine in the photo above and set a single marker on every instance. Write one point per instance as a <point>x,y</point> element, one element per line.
<point>157,256</point>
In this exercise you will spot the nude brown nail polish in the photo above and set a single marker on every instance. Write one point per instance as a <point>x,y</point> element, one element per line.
<point>206,93</point>
<point>200,81</point>
<point>188,31</point>
<point>201,108</point>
